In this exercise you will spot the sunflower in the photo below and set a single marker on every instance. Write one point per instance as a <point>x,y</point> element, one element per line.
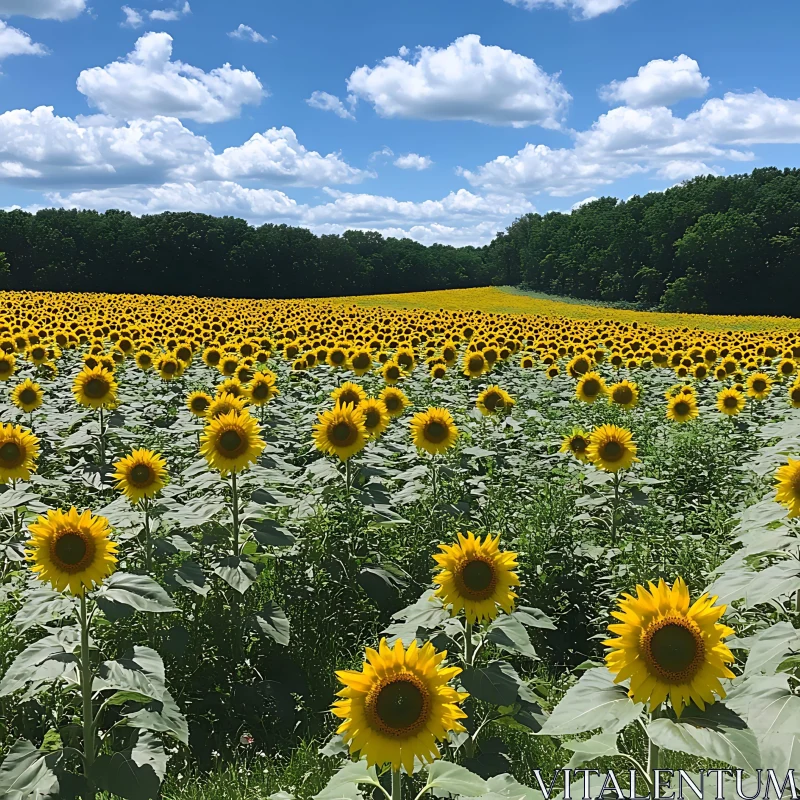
<point>141,474</point>
<point>262,388</point>
<point>395,400</point>
<point>18,451</point>
<point>95,388</point>
<point>376,417</point>
<point>759,385</point>
<point>231,442</point>
<point>391,372</point>
<point>350,393</point>
<point>476,577</point>
<point>438,371</point>
<point>434,430</point>
<point>27,396</point>
<point>7,365</point>
<point>224,404</point>
<point>494,400</point>
<point>794,395</point>
<point>624,394</point>
<point>590,387</point>
<point>169,367</point>
<point>71,551</point>
<point>682,408</point>
<point>611,448</point>
<point>198,403</point>
<point>730,402</point>
<point>399,705</point>
<point>361,362</point>
<point>36,354</point>
<point>144,360</point>
<point>475,364</point>
<point>669,648</point>
<point>788,477</point>
<point>337,357</point>
<point>230,386</point>
<point>579,366</point>
<point>341,431</point>
<point>576,442</point>
<point>212,356</point>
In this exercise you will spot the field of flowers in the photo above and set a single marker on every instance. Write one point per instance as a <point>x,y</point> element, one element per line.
<point>394,547</point>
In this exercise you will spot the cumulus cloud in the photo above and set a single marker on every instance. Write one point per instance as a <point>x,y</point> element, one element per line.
<point>413,161</point>
<point>585,201</point>
<point>43,9</point>
<point>133,18</point>
<point>14,42</point>
<point>148,84</point>
<point>248,34</point>
<point>659,83</point>
<point>683,170</point>
<point>465,81</point>
<point>584,9</point>
<point>170,14</point>
<point>329,102</point>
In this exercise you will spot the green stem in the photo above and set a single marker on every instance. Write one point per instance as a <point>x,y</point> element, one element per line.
<point>397,785</point>
<point>148,565</point>
<point>347,476</point>
<point>653,754</point>
<point>614,509</point>
<point>235,510</point>
<point>102,440</point>
<point>469,652</point>
<point>86,693</point>
<point>16,511</point>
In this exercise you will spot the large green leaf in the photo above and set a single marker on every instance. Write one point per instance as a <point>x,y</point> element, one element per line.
<point>344,784</point>
<point>141,671</point>
<point>601,744</point>
<point>139,592</point>
<point>771,646</point>
<point>497,683</point>
<point>757,587</point>
<point>767,703</point>
<point>40,662</point>
<point>534,618</point>
<point>509,634</point>
<point>272,622</point>
<point>595,701</point>
<point>717,733</point>
<point>269,533</point>
<point>27,771</point>
<point>455,779</point>
<point>162,716</point>
<point>135,773</point>
<point>189,575</point>
<point>41,607</point>
<point>239,573</point>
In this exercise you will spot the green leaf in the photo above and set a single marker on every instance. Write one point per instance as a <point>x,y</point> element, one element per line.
<point>27,771</point>
<point>142,671</point>
<point>42,606</point>
<point>757,587</point>
<point>344,784</point>
<point>120,698</point>
<point>767,703</point>
<point>506,786</point>
<point>455,779</point>
<point>162,716</point>
<point>601,744</point>
<point>135,773</point>
<point>511,635</point>
<point>189,575</point>
<point>272,621</point>
<point>497,683</point>
<point>381,586</point>
<point>139,592</point>
<point>717,733</point>
<point>239,573</point>
<point>417,620</point>
<point>595,701</point>
<point>269,533</point>
<point>771,646</point>
<point>42,661</point>
<point>534,618</point>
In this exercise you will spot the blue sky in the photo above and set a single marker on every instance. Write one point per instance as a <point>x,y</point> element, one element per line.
<point>441,120</point>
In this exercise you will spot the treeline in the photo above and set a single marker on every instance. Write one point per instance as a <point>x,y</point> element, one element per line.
<point>187,253</point>
<point>722,245</point>
<point>719,245</point>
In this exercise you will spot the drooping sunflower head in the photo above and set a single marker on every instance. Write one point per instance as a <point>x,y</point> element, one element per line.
<point>141,474</point>
<point>198,403</point>
<point>170,367</point>
<point>682,408</point>
<point>27,396</point>
<point>434,430</point>
<point>494,400</point>
<point>624,394</point>
<point>759,385</point>
<point>376,417</point>
<point>476,577</point>
<point>19,449</point>
<point>438,371</point>
<point>350,393</point>
<point>669,647</point>
<point>395,400</point>
<point>730,402</point>
<point>231,442</point>
<point>577,443</point>
<point>590,387</point>
<point>399,705</point>
<point>391,372</point>
<point>95,388</point>
<point>230,386</point>
<point>611,448</point>
<point>579,365</point>
<point>341,432</point>
<point>71,551</point>
<point>788,494</point>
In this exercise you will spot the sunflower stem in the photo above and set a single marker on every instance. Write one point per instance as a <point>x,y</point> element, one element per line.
<point>148,565</point>
<point>347,476</point>
<point>235,510</point>
<point>615,507</point>
<point>102,440</point>
<point>653,754</point>
<point>86,694</point>
<point>16,511</point>
<point>397,785</point>
<point>469,651</point>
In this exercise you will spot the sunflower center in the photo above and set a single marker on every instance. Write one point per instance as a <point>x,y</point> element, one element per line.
<point>11,454</point>
<point>759,385</point>
<point>578,444</point>
<point>361,361</point>
<point>5,366</point>
<point>591,387</point>
<point>169,367</point>
<point>623,395</point>
<point>493,400</point>
<point>349,396</point>
<point>231,442</point>
<point>478,579</point>
<point>391,403</point>
<point>199,404</point>
<point>730,401</point>
<point>337,356</point>
<point>796,394</point>
<point>612,451</point>
<point>27,396</point>
<point>435,432</point>
<point>72,550</point>
<point>343,434</point>
<point>141,475</point>
<point>476,364</point>
<point>674,648</point>
<point>681,408</point>
<point>393,373</point>
<point>260,391</point>
<point>95,388</point>
<point>400,707</point>
<point>372,418</point>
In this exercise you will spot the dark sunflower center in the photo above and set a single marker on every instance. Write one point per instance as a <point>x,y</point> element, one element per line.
<point>260,391</point>
<point>342,433</point>
<point>674,648</point>
<point>5,366</point>
<point>95,388</point>
<point>213,358</point>
<point>623,395</point>
<point>578,444</point>
<point>392,403</point>
<point>787,368</point>
<point>183,354</point>
<point>796,394</point>
<point>612,451</point>
<point>349,396</point>
<point>230,441</point>
<point>361,361</point>
<point>681,408</point>
<point>392,373</point>
<point>337,357</point>
<point>27,396</point>
<point>10,453</point>
<point>372,418</point>
<point>477,576</point>
<point>730,401</point>
<point>170,367</point>
<point>71,549</point>
<point>493,400</point>
<point>591,387</point>
<point>144,359</point>
<point>199,403</point>
<point>141,474</point>
<point>400,705</point>
<point>38,352</point>
<point>435,432</point>
<point>759,385</point>
<point>580,366</point>
<point>475,364</point>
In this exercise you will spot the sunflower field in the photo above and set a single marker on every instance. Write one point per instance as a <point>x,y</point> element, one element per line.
<point>358,549</point>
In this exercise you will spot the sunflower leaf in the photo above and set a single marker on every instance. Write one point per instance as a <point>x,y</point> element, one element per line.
<point>511,635</point>
<point>238,573</point>
<point>139,592</point>
<point>42,606</point>
<point>135,773</point>
<point>497,683</point>
<point>770,646</point>
<point>344,784</point>
<point>601,744</point>
<point>272,622</point>
<point>455,779</point>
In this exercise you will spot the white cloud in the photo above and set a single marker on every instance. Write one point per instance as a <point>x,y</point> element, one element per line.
<point>683,170</point>
<point>413,161</point>
<point>384,152</point>
<point>148,84</point>
<point>464,81</point>
<point>170,14</point>
<point>250,35</point>
<point>585,201</point>
<point>659,83</point>
<point>133,18</point>
<point>14,42</point>
<point>43,9</point>
<point>329,102</point>
<point>40,149</point>
<point>585,9</point>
